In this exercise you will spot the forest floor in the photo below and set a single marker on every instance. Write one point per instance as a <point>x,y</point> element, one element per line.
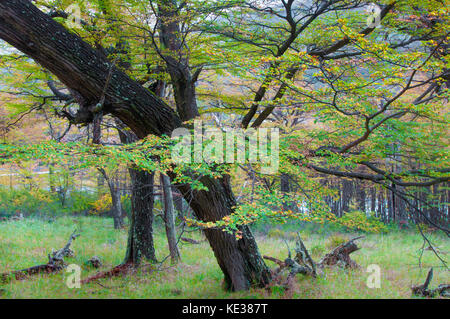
<point>27,242</point>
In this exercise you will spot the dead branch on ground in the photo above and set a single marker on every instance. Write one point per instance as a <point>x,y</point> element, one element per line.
<point>302,263</point>
<point>442,290</point>
<point>55,263</point>
<point>340,256</point>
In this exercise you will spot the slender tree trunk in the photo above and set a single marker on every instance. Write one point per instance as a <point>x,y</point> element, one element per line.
<point>285,189</point>
<point>117,207</point>
<point>51,178</point>
<point>10,178</point>
<point>361,196</point>
<point>347,194</point>
<point>393,204</point>
<point>389,205</point>
<point>373,196</point>
<point>380,212</point>
<point>169,219</point>
<point>178,202</point>
<point>116,199</point>
<point>100,182</point>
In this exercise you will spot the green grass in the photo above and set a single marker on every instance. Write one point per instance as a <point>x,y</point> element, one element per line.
<point>26,243</point>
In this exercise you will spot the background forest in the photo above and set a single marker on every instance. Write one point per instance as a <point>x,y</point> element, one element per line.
<point>91,93</point>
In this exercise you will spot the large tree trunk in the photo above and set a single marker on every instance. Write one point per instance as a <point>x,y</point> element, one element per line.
<point>85,71</point>
<point>140,237</point>
<point>169,219</point>
<point>239,260</point>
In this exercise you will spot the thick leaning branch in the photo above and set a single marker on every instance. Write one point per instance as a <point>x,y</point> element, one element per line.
<point>385,176</point>
<point>83,70</point>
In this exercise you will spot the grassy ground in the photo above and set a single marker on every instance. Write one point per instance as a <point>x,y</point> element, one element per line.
<point>26,243</point>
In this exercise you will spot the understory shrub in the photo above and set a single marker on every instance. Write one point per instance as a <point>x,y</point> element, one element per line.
<point>43,203</point>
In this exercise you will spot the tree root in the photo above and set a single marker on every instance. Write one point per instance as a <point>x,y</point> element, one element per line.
<point>423,291</point>
<point>55,263</point>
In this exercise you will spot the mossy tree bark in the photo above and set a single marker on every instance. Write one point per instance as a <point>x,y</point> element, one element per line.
<point>140,238</point>
<point>140,242</point>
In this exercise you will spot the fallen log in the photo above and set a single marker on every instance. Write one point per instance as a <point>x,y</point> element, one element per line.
<point>303,263</point>
<point>442,290</point>
<point>65,251</point>
<point>55,263</point>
